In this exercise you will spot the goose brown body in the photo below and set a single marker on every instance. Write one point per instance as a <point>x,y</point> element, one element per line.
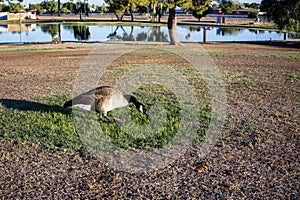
<point>104,99</point>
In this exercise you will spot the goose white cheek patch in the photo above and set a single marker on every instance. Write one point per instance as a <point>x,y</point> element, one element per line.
<point>141,109</point>
<point>83,106</point>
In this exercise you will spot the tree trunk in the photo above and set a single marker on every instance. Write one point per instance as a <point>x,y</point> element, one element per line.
<point>121,18</point>
<point>118,19</point>
<point>159,11</point>
<point>204,35</point>
<point>58,8</point>
<point>131,14</point>
<point>172,27</point>
<point>59,33</point>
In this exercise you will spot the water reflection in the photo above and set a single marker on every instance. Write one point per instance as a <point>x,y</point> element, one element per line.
<point>81,32</point>
<point>17,28</point>
<point>157,35</point>
<point>228,31</point>
<point>151,34</point>
<point>15,31</point>
<point>52,29</point>
<point>125,36</point>
<point>22,33</point>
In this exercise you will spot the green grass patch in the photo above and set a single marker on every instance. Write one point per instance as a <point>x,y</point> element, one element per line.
<point>293,78</point>
<point>17,49</point>
<point>166,124</point>
<point>44,121</point>
<point>24,49</point>
<point>171,122</point>
<point>284,56</point>
<point>219,54</point>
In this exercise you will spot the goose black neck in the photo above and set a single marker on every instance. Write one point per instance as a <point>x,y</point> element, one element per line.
<point>132,99</point>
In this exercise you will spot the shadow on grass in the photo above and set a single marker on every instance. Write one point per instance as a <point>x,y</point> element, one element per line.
<point>33,106</point>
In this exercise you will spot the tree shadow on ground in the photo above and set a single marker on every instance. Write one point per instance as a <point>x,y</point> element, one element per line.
<point>33,106</point>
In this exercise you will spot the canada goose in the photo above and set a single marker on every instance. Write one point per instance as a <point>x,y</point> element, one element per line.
<point>104,99</point>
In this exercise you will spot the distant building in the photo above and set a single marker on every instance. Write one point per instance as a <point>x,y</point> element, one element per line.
<point>245,11</point>
<point>18,15</point>
<point>215,11</point>
<point>3,15</point>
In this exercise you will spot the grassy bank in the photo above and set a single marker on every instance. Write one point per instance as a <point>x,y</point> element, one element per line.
<point>44,121</point>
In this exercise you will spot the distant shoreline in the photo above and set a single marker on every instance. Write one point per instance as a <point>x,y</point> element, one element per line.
<point>143,20</point>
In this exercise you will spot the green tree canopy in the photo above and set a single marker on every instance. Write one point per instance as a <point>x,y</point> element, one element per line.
<point>51,6</point>
<point>4,8</point>
<point>69,6</point>
<point>200,8</point>
<point>39,9</point>
<point>228,6</point>
<point>120,7</point>
<point>15,7</point>
<point>252,5</point>
<point>285,13</point>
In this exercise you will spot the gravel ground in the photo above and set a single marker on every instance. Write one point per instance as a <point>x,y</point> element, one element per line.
<point>256,158</point>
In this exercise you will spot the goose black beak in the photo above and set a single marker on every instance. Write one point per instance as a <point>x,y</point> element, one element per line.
<point>147,114</point>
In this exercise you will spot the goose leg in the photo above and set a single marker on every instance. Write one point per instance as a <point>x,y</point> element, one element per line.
<point>117,120</point>
<point>101,117</point>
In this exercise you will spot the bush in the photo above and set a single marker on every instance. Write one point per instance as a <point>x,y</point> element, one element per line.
<point>65,10</point>
<point>4,8</point>
<point>253,15</point>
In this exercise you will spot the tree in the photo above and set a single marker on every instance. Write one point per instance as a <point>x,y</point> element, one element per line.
<point>118,7</point>
<point>185,5</point>
<point>15,7</point>
<point>228,6</point>
<point>200,8</point>
<point>285,13</point>
<point>37,7</point>
<point>50,6</point>
<point>4,8</point>
<point>69,6</point>
<point>253,15</point>
<point>101,9</point>
<point>133,4</point>
<point>122,7</point>
<point>252,5</point>
<point>12,6</point>
<point>83,8</point>
<point>58,8</point>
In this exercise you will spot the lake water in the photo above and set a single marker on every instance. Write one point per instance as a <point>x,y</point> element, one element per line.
<point>33,33</point>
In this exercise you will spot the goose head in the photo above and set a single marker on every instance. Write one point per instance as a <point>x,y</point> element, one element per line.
<point>139,106</point>
<point>143,110</point>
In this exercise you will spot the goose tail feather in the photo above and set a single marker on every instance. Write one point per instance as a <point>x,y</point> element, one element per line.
<point>68,104</point>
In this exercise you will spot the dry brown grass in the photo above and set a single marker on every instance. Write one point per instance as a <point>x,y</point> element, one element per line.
<point>257,155</point>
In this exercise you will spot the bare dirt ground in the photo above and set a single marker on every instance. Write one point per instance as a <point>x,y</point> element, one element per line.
<point>257,156</point>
